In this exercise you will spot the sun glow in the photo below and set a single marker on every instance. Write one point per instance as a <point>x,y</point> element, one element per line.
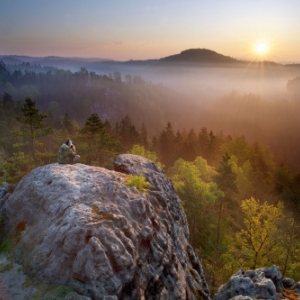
<point>261,48</point>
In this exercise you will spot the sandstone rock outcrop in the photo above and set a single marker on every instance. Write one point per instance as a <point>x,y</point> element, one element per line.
<point>262,283</point>
<point>85,228</point>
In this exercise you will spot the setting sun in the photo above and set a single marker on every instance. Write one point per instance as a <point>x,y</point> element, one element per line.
<point>261,48</point>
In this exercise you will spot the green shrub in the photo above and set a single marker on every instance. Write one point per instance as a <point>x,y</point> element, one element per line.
<point>45,291</point>
<point>138,181</point>
<point>5,267</point>
<point>6,245</point>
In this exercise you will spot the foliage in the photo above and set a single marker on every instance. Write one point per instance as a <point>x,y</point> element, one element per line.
<point>48,292</point>
<point>259,242</point>
<point>291,241</point>
<point>198,196</point>
<point>166,144</point>
<point>69,124</point>
<point>206,172</point>
<point>226,178</point>
<point>5,267</point>
<point>45,291</point>
<point>137,181</point>
<point>127,133</point>
<point>287,184</point>
<point>3,73</point>
<point>6,245</point>
<point>32,125</point>
<point>226,181</point>
<point>244,177</point>
<point>17,166</point>
<point>97,145</point>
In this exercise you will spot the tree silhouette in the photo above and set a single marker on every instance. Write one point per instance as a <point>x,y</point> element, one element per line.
<point>96,143</point>
<point>32,124</point>
<point>226,181</point>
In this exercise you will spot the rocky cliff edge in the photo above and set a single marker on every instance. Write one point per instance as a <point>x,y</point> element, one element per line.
<point>83,227</point>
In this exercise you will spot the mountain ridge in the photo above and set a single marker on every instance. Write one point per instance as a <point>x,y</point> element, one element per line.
<point>193,55</point>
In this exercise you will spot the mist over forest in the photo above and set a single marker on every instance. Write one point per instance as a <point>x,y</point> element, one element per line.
<point>238,98</point>
<point>251,99</point>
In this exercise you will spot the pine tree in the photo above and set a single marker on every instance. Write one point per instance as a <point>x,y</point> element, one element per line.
<point>127,133</point>
<point>226,181</point>
<point>70,125</point>
<point>8,103</point>
<point>97,145</point>
<point>32,125</point>
<point>166,143</point>
<point>3,73</point>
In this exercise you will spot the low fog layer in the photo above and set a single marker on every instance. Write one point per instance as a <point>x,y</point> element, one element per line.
<point>208,82</point>
<point>250,99</point>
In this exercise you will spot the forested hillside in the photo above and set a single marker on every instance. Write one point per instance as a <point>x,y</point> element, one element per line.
<point>79,94</point>
<point>241,197</point>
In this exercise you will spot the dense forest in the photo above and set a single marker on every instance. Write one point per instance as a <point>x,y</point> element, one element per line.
<point>241,195</point>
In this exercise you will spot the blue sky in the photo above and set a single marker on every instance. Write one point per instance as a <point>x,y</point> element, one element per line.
<point>133,29</point>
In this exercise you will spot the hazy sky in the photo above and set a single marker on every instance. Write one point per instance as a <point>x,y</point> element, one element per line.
<point>132,29</point>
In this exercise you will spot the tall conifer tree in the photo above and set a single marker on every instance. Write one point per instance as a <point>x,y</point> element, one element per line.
<point>32,125</point>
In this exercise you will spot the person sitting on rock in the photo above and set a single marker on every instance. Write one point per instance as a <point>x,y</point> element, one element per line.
<point>67,153</point>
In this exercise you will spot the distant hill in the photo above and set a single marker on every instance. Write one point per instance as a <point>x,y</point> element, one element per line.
<point>195,57</point>
<point>72,63</point>
<point>199,56</point>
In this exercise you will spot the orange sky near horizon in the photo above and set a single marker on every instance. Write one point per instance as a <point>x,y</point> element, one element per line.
<point>150,29</point>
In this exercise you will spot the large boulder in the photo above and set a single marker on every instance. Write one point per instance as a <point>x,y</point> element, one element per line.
<point>262,283</point>
<point>85,228</point>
